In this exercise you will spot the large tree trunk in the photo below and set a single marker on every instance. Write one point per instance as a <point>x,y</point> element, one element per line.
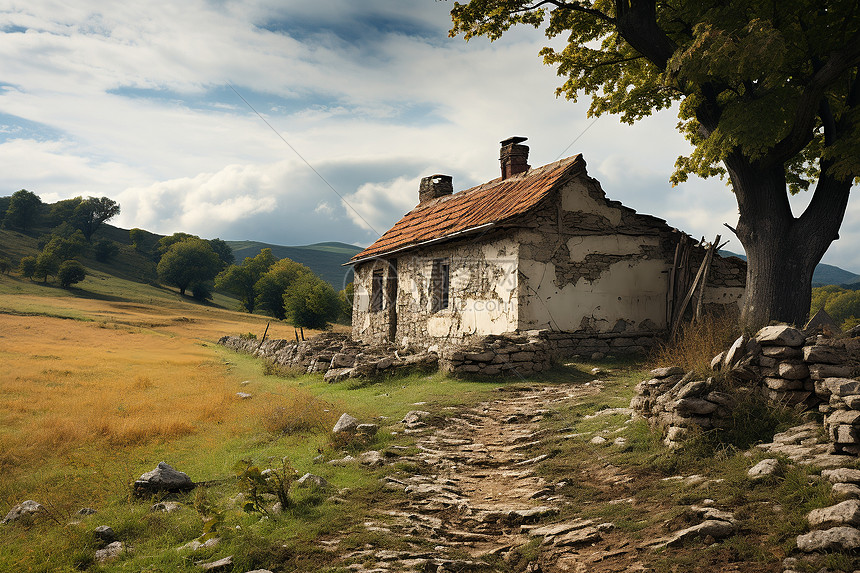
<point>782,250</point>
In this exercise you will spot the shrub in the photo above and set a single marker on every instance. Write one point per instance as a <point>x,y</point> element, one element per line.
<point>71,272</point>
<point>201,291</point>
<point>5,265</point>
<point>27,267</point>
<point>695,345</point>
<point>256,484</point>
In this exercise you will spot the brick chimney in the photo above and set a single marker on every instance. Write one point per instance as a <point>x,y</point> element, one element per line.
<point>435,186</point>
<point>514,157</point>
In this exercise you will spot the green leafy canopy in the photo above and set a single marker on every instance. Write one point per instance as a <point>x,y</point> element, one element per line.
<point>775,82</point>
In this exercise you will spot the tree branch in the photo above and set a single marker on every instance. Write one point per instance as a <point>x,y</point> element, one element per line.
<point>636,22</point>
<point>808,105</point>
<point>575,6</point>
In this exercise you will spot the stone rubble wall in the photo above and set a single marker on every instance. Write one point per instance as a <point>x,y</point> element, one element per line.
<point>782,363</point>
<point>338,357</point>
<point>335,355</point>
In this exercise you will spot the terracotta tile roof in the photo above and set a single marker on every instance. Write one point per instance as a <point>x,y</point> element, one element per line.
<point>491,202</point>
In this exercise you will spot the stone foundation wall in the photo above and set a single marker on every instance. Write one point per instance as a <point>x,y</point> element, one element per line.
<point>784,364</point>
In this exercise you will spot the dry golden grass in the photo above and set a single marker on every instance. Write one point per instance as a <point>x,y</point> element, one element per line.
<point>298,411</point>
<point>134,375</point>
<point>695,345</point>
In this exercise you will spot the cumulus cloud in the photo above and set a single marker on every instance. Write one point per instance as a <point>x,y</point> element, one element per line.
<point>133,101</point>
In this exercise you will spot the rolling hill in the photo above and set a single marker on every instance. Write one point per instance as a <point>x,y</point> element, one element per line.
<point>324,259</point>
<point>824,274</point>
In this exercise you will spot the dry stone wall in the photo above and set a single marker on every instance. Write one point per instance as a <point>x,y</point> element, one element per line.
<point>787,366</point>
<point>334,355</point>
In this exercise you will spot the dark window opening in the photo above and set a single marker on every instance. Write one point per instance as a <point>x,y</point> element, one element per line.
<point>376,292</point>
<point>440,280</point>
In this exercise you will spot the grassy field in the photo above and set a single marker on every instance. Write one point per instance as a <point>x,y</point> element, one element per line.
<point>99,384</point>
<point>98,388</point>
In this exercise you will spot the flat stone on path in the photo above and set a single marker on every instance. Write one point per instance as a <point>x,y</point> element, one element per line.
<point>843,513</point>
<point>763,469</point>
<point>836,538</point>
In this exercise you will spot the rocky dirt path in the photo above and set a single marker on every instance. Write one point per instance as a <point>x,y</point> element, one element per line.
<point>478,496</point>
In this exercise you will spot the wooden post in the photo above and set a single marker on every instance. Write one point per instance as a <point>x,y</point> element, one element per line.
<point>670,293</point>
<point>262,340</point>
<point>708,258</point>
<point>688,297</point>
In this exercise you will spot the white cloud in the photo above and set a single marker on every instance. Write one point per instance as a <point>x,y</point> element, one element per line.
<point>131,100</point>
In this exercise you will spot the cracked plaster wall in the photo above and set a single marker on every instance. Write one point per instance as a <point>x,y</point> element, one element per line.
<point>482,295</point>
<point>588,264</point>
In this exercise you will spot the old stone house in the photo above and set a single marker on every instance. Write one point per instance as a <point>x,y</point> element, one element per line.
<point>536,249</point>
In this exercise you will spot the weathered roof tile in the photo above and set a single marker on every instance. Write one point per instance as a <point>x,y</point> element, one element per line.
<point>491,202</point>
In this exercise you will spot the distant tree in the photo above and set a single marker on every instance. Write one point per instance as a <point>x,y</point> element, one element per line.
<point>71,272</point>
<point>5,265</point>
<point>104,250</point>
<point>274,283</point>
<point>224,252</point>
<point>165,243</point>
<point>92,212</point>
<point>241,280</point>
<point>27,267</point>
<point>4,205</point>
<point>65,249</point>
<point>47,264</point>
<point>843,305</point>
<point>310,302</point>
<point>345,300</point>
<point>63,211</point>
<point>23,210</point>
<point>188,262</point>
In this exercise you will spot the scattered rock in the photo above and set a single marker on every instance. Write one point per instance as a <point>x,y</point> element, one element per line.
<point>344,461</point>
<point>166,506</point>
<point>836,538</point>
<point>667,371</point>
<point>311,480</point>
<point>84,511</point>
<point>368,430</point>
<point>843,513</point>
<point>597,440</point>
<point>243,395</point>
<point>371,458</point>
<point>105,534</point>
<point>716,528</point>
<point>196,545</point>
<point>780,335</point>
<point>345,423</point>
<point>219,565</point>
<point>849,490</point>
<point>110,552</point>
<point>842,475</point>
<point>763,469</point>
<point>163,478</point>
<point>24,510</point>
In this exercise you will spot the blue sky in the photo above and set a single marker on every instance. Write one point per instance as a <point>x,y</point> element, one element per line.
<point>133,101</point>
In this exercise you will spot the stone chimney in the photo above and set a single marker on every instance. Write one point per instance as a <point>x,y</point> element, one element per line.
<point>435,186</point>
<point>514,157</point>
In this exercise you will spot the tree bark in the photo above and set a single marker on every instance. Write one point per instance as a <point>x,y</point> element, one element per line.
<point>782,251</point>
